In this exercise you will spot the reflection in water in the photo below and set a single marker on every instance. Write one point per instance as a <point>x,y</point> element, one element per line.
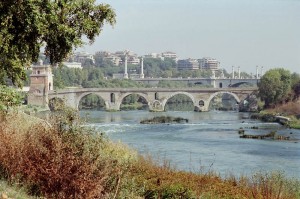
<point>91,102</point>
<point>179,102</point>
<point>223,101</point>
<point>185,106</point>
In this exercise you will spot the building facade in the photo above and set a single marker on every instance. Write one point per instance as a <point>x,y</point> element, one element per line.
<point>188,64</point>
<point>208,63</point>
<point>72,64</point>
<point>170,55</point>
<point>41,82</point>
<point>82,57</point>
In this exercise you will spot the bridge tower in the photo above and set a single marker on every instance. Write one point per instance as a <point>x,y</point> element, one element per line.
<point>41,82</point>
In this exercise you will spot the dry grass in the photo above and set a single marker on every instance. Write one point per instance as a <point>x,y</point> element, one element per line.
<point>289,109</point>
<point>165,182</point>
<point>62,159</point>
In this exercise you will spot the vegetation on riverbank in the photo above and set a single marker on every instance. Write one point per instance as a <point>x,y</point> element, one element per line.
<point>280,92</point>
<point>13,191</point>
<point>164,119</point>
<point>62,159</point>
<point>290,110</point>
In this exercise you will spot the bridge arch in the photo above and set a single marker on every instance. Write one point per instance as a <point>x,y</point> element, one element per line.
<point>178,93</point>
<point>239,84</point>
<point>88,93</point>
<point>121,98</point>
<point>221,92</point>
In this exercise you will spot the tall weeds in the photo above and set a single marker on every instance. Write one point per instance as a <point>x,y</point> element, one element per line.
<point>62,159</point>
<point>58,160</point>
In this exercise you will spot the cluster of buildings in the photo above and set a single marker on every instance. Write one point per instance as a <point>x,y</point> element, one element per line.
<point>118,59</point>
<point>205,63</point>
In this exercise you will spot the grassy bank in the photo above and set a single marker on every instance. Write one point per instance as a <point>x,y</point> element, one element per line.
<point>61,158</point>
<point>290,110</point>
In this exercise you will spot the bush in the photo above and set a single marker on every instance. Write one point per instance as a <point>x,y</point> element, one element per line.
<point>59,160</point>
<point>273,185</point>
<point>9,98</point>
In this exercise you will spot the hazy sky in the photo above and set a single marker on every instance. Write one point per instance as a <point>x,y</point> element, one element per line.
<point>241,33</point>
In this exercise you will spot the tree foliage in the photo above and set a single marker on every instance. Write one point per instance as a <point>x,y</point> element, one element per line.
<point>295,82</point>
<point>9,98</point>
<point>59,26</point>
<point>275,86</point>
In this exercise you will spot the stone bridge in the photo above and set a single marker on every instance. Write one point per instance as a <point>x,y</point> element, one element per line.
<point>208,82</point>
<point>155,97</point>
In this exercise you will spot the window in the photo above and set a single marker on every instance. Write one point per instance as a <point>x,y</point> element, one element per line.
<point>112,98</point>
<point>201,103</point>
<point>156,96</point>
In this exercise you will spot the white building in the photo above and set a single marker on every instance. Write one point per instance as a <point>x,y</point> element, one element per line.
<point>72,64</point>
<point>153,55</point>
<point>208,63</point>
<point>82,57</point>
<point>133,60</point>
<point>188,64</point>
<point>114,59</point>
<point>170,55</point>
<point>103,53</point>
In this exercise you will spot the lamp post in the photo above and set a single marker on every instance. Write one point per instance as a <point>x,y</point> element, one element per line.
<point>142,68</point>
<point>125,70</point>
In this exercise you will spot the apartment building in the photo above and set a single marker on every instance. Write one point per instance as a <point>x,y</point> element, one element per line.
<point>208,63</point>
<point>114,59</point>
<point>170,55</point>
<point>82,57</point>
<point>153,55</point>
<point>72,64</point>
<point>188,64</point>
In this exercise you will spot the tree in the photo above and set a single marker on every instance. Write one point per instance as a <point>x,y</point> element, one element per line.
<point>25,26</point>
<point>296,89</point>
<point>274,86</point>
<point>9,97</point>
<point>295,82</point>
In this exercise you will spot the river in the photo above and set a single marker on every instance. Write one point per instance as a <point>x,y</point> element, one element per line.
<point>208,142</point>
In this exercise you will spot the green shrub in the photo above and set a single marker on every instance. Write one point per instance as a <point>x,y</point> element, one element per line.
<point>9,98</point>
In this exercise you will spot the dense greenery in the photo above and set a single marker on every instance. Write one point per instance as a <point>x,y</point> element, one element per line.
<point>278,86</point>
<point>87,78</point>
<point>94,77</point>
<point>26,26</point>
<point>9,98</point>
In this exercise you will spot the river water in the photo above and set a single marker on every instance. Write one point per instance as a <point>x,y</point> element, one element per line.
<point>208,142</point>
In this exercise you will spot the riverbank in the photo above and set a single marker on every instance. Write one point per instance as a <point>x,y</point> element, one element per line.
<point>64,146</point>
<point>287,114</point>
